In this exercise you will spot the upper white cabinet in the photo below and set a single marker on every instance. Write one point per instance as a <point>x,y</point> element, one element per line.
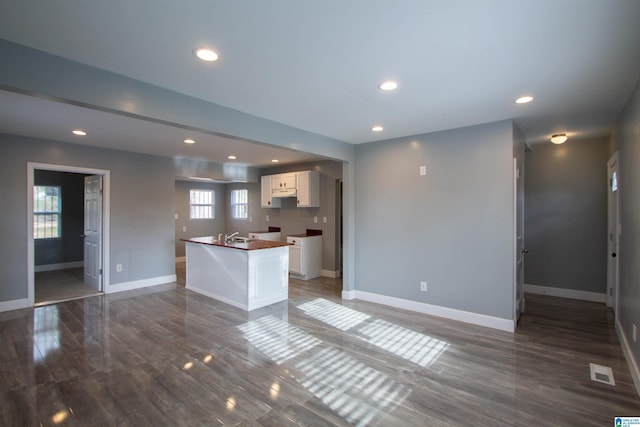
<point>283,181</point>
<point>308,189</point>
<point>304,186</point>
<point>266,201</point>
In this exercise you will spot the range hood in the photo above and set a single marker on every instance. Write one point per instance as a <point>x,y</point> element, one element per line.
<point>289,192</point>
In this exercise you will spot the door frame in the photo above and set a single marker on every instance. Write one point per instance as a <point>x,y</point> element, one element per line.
<point>613,263</point>
<point>106,221</point>
<point>518,240</point>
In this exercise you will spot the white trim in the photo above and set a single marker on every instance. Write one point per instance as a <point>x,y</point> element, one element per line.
<point>60,266</point>
<point>330,273</point>
<point>144,283</point>
<point>218,298</point>
<point>435,310</point>
<point>181,259</point>
<point>106,221</point>
<point>15,304</point>
<point>628,355</point>
<point>348,295</point>
<point>566,293</point>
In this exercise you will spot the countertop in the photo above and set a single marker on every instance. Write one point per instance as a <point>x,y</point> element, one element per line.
<point>245,246</point>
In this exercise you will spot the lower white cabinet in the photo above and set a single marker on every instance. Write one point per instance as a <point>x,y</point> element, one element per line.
<point>305,256</point>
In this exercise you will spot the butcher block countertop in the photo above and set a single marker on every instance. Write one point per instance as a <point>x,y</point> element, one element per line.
<point>251,245</point>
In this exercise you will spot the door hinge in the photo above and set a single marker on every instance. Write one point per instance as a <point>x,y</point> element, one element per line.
<point>100,272</point>
<point>610,291</point>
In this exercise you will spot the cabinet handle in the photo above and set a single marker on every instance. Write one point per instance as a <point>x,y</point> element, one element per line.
<point>269,202</point>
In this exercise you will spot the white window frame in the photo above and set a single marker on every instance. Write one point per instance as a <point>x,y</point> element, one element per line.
<point>240,209</point>
<point>202,204</point>
<point>38,215</point>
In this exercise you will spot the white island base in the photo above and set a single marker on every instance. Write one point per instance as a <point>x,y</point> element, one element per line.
<point>247,279</point>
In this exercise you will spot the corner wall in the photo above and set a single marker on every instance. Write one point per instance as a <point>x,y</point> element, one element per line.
<point>452,228</point>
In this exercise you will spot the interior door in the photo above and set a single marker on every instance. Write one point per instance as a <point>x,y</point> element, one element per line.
<point>93,231</point>
<point>613,254</point>
<point>520,250</point>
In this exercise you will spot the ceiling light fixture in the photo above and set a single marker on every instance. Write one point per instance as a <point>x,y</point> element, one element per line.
<point>388,85</point>
<point>558,138</point>
<point>274,160</point>
<point>79,132</point>
<point>189,141</point>
<point>377,128</point>
<point>524,99</point>
<point>206,54</point>
<point>231,157</point>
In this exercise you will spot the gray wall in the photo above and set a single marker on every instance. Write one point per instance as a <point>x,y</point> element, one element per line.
<point>566,215</point>
<point>197,227</point>
<point>452,227</point>
<point>142,204</point>
<point>628,142</point>
<point>69,247</point>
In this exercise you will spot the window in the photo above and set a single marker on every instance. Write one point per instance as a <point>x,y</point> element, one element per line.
<point>201,204</point>
<point>239,204</point>
<point>47,212</point>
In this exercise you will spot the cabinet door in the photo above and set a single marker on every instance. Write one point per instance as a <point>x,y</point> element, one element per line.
<point>266,201</point>
<point>283,181</point>
<point>308,189</point>
<point>294,259</point>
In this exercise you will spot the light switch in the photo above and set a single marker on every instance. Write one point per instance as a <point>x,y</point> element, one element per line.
<point>423,170</point>
<point>250,219</point>
<point>267,218</point>
<point>324,219</point>
<point>184,229</point>
<point>315,219</point>
<point>176,216</point>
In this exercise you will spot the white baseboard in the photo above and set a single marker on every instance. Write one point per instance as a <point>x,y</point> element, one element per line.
<point>330,273</point>
<point>628,355</point>
<point>181,259</point>
<point>15,304</point>
<point>435,310</point>
<point>61,266</point>
<point>218,297</point>
<point>129,286</point>
<point>348,295</point>
<point>566,293</point>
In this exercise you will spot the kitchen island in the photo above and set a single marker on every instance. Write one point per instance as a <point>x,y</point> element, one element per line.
<point>247,275</point>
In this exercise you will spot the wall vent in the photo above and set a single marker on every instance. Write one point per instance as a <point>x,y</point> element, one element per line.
<point>601,374</point>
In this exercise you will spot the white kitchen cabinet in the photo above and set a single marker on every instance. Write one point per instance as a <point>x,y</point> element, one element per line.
<point>283,181</point>
<point>266,201</point>
<point>308,190</point>
<point>305,256</point>
<point>274,236</point>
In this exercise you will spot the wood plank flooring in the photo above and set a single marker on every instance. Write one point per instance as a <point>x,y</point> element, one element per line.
<point>58,285</point>
<point>165,356</point>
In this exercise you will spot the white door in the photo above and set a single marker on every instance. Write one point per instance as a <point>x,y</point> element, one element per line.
<point>613,254</point>
<point>520,251</point>
<point>93,231</point>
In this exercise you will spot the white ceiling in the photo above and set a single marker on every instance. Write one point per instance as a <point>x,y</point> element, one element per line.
<point>315,65</point>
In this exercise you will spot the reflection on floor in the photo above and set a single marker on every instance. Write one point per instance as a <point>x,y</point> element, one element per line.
<point>61,285</point>
<point>167,356</point>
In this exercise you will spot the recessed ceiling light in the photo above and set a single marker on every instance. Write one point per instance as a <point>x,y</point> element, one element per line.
<point>377,128</point>
<point>388,85</point>
<point>231,157</point>
<point>524,99</point>
<point>79,132</point>
<point>274,160</point>
<point>189,141</point>
<point>559,138</point>
<point>206,54</point>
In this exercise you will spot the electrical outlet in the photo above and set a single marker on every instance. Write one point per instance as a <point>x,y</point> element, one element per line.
<point>250,219</point>
<point>423,286</point>
<point>634,333</point>
<point>184,229</point>
<point>118,268</point>
<point>324,219</point>
<point>315,219</point>
<point>176,216</point>
<point>267,218</point>
<point>423,170</point>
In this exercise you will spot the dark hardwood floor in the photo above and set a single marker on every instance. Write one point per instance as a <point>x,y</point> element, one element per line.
<point>165,356</point>
<point>58,285</point>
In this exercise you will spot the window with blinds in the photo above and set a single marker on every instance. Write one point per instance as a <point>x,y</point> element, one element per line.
<point>47,212</point>
<point>201,204</point>
<point>239,204</point>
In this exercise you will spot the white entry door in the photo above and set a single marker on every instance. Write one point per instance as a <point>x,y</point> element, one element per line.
<point>93,231</point>
<point>613,254</point>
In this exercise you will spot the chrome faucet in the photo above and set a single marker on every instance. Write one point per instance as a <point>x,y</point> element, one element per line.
<point>228,237</point>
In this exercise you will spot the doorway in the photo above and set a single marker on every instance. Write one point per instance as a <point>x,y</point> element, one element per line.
<point>613,220</point>
<point>68,232</point>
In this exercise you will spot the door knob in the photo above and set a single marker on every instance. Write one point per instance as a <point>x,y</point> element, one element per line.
<point>613,254</point>
<point>83,235</point>
<point>525,251</point>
